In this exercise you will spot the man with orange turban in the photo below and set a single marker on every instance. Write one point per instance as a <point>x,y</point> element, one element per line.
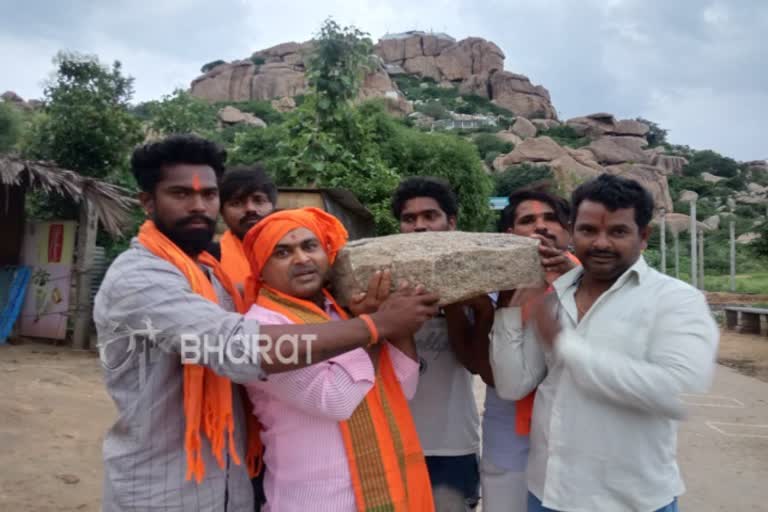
<point>338,434</point>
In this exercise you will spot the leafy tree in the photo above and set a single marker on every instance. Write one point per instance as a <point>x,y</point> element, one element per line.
<point>336,69</point>
<point>210,65</point>
<point>180,112</point>
<point>656,134</point>
<point>517,176</point>
<point>87,126</point>
<point>10,126</point>
<point>488,142</point>
<point>711,162</point>
<point>565,136</point>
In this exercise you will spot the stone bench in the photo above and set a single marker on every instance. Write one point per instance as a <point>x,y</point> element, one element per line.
<point>750,318</point>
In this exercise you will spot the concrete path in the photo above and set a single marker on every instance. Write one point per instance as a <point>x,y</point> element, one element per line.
<point>723,447</point>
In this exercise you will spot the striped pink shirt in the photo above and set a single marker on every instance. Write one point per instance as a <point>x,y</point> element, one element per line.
<point>305,458</point>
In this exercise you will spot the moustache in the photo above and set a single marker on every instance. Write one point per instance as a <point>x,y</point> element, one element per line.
<point>602,254</point>
<point>196,218</point>
<point>302,269</point>
<point>252,218</point>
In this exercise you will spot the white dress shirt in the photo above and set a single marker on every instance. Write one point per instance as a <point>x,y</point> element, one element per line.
<point>604,430</point>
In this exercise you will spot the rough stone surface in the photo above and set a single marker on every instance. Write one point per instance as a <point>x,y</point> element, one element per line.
<point>284,104</point>
<point>524,128</point>
<point>688,195</point>
<point>510,137</point>
<point>423,66</point>
<point>712,222</point>
<point>671,165</point>
<point>631,127</point>
<point>756,188</point>
<point>11,97</point>
<point>618,150</point>
<point>231,115</point>
<point>540,149</point>
<point>649,177</point>
<point>517,94</point>
<point>679,222</point>
<point>570,173</point>
<point>747,238</point>
<point>594,125</point>
<point>456,265</point>
<point>228,82</point>
<point>545,124</point>
<point>276,80</point>
<point>584,157</point>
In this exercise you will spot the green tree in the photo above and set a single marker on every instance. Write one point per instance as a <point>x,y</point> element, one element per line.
<point>10,126</point>
<point>336,68</point>
<point>656,134</point>
<point>86,124</point>
<point>711,162</point>
<point>210,65</point>
<point>180,112</point>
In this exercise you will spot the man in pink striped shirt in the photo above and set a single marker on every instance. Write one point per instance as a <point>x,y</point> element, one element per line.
<point>303,412</point>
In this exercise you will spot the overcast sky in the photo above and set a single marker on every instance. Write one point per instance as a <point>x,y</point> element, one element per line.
<point>699,68</point>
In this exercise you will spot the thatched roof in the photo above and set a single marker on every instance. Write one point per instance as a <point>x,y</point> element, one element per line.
<point>111,203</point>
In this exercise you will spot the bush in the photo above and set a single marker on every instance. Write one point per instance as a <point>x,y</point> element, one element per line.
<point>210,65</point>
<point>434,110</point>
<point>257,60</point>
<point>518,176</point>
<point>565,136</point>
<point>10,126</point>
<point>487,143</point>
<point>711,162</point>
<point>656,134</point>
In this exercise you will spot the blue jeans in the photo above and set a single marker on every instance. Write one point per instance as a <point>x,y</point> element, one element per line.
<point>460,475</point>
<point>534,505</point>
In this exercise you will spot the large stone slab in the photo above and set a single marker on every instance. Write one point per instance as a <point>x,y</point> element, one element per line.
<point>456,265</point>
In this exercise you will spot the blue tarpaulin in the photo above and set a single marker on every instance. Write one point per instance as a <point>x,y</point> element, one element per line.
<point>13,285</point>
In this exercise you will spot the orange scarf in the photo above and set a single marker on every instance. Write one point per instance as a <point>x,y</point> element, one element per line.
<point>207,396</point>
<point>524,406</point>
<point>233,259</point>
<point>386,462</point>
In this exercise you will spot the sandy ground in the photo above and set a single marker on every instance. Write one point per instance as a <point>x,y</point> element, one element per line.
<point>55,411</point>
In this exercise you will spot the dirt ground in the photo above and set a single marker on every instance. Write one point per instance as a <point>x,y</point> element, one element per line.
<point>745,353</point>
<point>55,411</point>
<point>735,298</point>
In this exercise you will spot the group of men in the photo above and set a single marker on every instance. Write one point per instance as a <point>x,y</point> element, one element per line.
<point>372,407</point>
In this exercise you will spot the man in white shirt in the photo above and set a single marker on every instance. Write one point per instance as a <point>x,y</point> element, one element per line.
<point>443,408</point>
<point>611,350</point>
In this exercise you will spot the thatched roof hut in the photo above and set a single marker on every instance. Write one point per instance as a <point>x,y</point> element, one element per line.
<point>111,203</point>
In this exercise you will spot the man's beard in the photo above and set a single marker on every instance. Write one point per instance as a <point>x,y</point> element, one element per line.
<point>192,241</point>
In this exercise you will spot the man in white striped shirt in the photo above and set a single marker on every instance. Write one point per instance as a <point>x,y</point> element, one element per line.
<point>611,350</point>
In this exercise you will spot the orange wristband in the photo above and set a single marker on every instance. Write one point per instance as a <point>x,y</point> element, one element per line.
<point>371,329</point>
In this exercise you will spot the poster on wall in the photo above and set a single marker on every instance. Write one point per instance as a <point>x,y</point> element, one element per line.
<point>48,248</point>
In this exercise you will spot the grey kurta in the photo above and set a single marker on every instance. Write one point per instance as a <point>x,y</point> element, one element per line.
<point>143,308</point>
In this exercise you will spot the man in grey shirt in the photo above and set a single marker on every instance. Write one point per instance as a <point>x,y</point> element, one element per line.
<point>145,312</point>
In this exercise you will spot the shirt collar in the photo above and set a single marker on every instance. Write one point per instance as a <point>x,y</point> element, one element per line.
<point>639,270</point>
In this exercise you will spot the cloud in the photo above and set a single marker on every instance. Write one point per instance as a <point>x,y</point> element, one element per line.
<point>696,67</point>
